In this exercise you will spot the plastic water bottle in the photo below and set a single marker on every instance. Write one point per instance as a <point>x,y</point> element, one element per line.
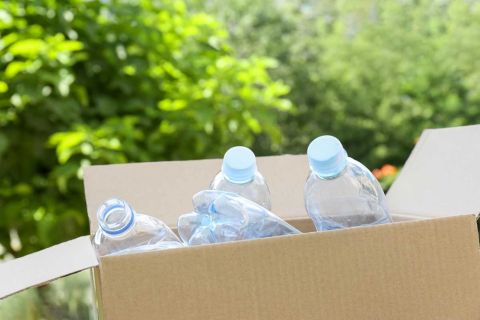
<point>239,175</point>
<point>122,230</point>
<point>224,216</point>
<point>340,192</point>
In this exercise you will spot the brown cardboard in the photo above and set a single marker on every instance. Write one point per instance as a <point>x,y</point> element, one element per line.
<point>165,189</point>
<point>412,270</point>
<point>441,176</point>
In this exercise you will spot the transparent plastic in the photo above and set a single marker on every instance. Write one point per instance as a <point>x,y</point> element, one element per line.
<point>255,190</point>
<point>223,216</point>
<point>123,231</point>
<point>352,198</point>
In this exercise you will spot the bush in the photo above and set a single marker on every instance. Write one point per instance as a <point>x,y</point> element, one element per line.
<point>374,73</point>
<point>93,82</point>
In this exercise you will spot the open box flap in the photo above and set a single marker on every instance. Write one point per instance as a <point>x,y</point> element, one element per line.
<point>442,175</point>
<point>165,189</point>
<point>46,265</point>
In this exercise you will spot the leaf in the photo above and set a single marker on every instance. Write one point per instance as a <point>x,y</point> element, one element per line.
<point>167,127</point>
<point>70,45</point>
<point>28,47</point>
<point>66,142</point>
<point>8,39</point>
<point>3,87</point>
<point>15,67</point>
<point>172,105</point>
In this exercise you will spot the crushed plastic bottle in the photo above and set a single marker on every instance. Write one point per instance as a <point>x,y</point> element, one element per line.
<point>122,231</point>
<point>239,175</point>
<point>340,192</point>
<point>224,216</point>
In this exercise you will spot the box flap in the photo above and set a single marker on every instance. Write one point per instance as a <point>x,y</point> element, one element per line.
<point>46,265</point>
<point>408,270</point>
<point>441,176</point>
<point>165,189</point>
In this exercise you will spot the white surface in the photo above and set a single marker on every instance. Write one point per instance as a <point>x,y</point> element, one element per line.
<point>46,265</point>
<point>442,175</point>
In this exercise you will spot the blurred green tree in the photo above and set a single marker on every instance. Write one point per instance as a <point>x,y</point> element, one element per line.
<point>89,82</point>
<point>373,73</point>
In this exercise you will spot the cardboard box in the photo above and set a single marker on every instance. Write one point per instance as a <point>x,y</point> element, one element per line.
<point>420,269</point>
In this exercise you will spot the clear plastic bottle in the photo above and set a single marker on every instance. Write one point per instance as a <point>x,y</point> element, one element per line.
<point>340,192</point>
<point>221,216</point>
<point>122,230</point>
<point>239,175</point>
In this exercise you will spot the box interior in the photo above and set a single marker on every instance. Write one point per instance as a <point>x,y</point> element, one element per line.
<point>165,189</point>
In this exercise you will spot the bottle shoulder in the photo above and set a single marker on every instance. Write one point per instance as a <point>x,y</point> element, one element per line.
<point>355,177</point>
<point>356,168</point>
<point>256,190</point>
<point>353,169</point>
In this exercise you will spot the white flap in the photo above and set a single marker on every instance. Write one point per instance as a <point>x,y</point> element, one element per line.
<point>441,176</point>
<point>46,265</point>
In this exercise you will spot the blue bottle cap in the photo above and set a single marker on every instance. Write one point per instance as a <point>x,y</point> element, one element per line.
<point>239,165</point>
<point>326,156</point>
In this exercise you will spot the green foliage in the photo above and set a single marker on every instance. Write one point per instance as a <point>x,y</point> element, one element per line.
<point>69,298</point>
<point>374,73</point>
<point>89,82</point>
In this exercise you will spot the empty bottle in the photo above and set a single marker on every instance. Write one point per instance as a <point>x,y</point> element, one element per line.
<point>340,192</point>
<point>122,230</point>
<point>239,175</point>
<point>224,216</point>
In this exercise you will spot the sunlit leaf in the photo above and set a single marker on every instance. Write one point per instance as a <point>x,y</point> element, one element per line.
<point>69,45</point>
<point>3,87</point>
<point>13,68</point>
<point>172,105</point>
<point>27,47</point>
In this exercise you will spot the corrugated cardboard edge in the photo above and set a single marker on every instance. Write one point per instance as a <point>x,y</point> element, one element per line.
<point>97,288</point>
<point>46,265</point>
<point>306,225</point>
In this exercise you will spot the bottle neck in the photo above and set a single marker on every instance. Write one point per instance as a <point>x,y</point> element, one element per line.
<point>116,218</point>
<point>330,177</point>
<point>244,180</point>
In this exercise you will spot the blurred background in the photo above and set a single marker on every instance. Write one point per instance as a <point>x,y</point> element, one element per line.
<point>96,82</point>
